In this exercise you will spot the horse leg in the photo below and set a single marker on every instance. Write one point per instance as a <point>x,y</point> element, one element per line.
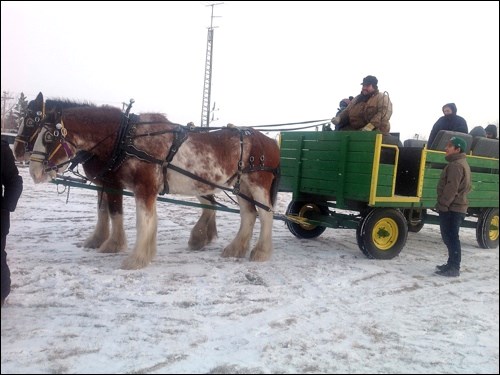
<point>101,231</point>
<point>264,247</point>
<point>205,230</point>
<point>117,241</point>
<point>241,243</point>
<point>147,226</point>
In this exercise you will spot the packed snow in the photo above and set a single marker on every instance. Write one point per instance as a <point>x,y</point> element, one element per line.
<point>318,306</point>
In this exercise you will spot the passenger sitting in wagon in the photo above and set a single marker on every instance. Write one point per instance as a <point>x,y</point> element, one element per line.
<point>342,106</point>
<point>449,121</point>
<point>370,110</point>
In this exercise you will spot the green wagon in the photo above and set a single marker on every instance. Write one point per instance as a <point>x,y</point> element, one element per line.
<point>355,180</point>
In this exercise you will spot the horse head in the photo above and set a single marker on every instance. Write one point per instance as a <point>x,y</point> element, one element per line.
<point>51,151</point>
<point>33,122</point>
<point>29,129</point>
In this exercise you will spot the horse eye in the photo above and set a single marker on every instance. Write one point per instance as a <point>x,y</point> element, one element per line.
<point>37,119</point>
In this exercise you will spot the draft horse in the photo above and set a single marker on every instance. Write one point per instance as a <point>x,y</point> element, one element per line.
<point>32,123</point>
<point>148,154</point>
<point>109,204</point>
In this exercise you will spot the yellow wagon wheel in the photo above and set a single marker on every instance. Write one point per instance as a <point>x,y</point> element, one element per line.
<point>382,233</point>
<point>297,214</point>
<point>385,233</point>
<point>487,228</point>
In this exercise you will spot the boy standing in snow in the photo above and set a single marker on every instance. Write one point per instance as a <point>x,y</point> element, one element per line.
<point>452,189</point>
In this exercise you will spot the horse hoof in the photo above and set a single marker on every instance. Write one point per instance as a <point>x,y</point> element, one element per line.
<point>132,263</point>
<point>196,245</point>
<point>92,244</point>
<point>232,252</point>
<point>260,256</point>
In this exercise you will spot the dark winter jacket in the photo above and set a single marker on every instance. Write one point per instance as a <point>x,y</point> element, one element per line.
<point>454,185</point>
<point>12,186</point>
<point>448,122</point>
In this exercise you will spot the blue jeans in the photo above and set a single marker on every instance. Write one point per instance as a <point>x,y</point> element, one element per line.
<point>449,223</point>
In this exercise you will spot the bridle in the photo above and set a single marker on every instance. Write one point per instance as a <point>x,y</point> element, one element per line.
<point>55,136</point>
<point>32,124</point>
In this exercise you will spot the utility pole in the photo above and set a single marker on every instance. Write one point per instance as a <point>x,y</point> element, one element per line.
<point>5,97</point>
<point>207,81</point>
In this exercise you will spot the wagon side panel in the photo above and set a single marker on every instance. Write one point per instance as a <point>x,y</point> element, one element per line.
<point>333,165</point>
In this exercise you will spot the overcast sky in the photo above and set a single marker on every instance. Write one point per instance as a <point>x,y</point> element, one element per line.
<point>273,62</point>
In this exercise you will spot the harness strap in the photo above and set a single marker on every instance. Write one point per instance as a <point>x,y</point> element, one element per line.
<point>118,156</point>
<point>81,157</point>
<point>131,150</point>
<point>234,191</point>
<point>180,135</point>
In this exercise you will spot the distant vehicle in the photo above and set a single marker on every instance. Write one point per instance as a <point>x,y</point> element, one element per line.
<point>9,137</point>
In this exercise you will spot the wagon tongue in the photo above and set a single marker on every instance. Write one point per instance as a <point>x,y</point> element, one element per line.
<point>297,219</point>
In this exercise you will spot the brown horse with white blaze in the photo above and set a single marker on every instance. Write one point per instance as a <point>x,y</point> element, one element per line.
<point>107,238</point>
<point>148,154</point>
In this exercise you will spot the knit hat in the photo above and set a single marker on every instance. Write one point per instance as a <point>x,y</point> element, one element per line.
<point>459,143</point>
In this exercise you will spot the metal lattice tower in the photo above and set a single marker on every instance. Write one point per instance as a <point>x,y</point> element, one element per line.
<point>207,82</point>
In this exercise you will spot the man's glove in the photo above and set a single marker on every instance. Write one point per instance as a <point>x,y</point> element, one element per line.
<point>336,120</point>
<point>368,127</point>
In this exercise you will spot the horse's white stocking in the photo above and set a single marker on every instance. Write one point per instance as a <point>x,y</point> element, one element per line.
<point>117,241</point>
<point>145,245</point>
<point>264,247</point>
<point>241,243</point>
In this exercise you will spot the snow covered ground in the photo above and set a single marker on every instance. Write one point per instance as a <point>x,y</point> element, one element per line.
<point>318,306</point>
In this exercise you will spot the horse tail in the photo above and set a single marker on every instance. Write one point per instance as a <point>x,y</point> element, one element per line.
<point>275,186</point>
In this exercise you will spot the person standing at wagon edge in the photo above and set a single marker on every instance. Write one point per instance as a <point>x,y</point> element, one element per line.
<point>452,204</point>
<point>12,187</point>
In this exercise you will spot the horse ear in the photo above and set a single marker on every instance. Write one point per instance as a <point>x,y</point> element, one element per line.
<point>39,98</point>
<point>58,112</point>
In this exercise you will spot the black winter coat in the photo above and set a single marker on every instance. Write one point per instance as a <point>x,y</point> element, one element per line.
<point>12,186</point>
<point>451,122</point>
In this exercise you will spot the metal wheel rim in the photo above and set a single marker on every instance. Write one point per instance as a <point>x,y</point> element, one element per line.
<point>493,233</point>
<point>307,208</point>
<point>385,233</point>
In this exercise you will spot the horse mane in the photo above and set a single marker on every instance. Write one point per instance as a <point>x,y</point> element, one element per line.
<point>66,103</point>
<point>51,104</point>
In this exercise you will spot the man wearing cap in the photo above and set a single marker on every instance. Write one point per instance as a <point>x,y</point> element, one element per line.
<point>370,110</point>
<point>452,189</point>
